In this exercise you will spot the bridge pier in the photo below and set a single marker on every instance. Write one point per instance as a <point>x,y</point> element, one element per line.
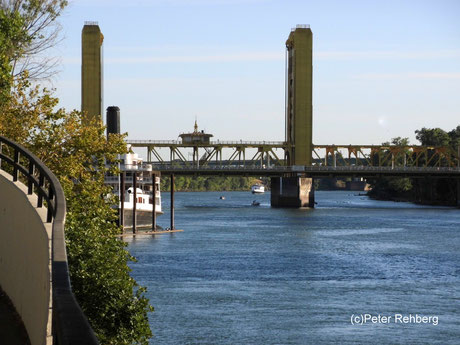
<point>458,193</point>
<point>292,192</point>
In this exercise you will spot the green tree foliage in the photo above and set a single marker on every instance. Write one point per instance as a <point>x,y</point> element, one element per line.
<point>391,187</point>
<point>331,183</point>
<point>98,262</point>
<point>388,188</point>
<point>432,137</point>
<point>10,32</point>
<point>435,191</point>
<point>31,28</point>
<point>398,141</point>
<point>454,138</point>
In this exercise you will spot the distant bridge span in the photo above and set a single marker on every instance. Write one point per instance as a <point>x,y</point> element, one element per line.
<point>328,160</point>
<point>309,171</point>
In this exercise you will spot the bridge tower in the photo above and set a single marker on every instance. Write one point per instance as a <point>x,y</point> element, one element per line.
<point>91,72</point>
<point>297,190</point>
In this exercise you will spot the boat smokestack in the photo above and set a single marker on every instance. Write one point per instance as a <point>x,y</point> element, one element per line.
<point>113,120</point>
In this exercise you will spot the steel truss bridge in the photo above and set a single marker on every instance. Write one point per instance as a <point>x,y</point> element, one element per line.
<point>267,158</point>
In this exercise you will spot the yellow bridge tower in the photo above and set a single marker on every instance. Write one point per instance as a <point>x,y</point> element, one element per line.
<point>91,72</point>
<point>297,190</point>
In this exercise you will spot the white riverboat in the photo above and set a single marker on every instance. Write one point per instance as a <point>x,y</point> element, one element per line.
<point>144,207</point>
<point>131,164</point>
<point>257,189</point>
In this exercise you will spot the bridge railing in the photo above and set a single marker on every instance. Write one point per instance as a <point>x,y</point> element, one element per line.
<point>172,142</point>
<point>211,143</point>
<point>69,324</point>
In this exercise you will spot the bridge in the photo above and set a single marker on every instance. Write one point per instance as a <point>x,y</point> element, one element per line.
<point>329,160</point>
<point>293,163</point>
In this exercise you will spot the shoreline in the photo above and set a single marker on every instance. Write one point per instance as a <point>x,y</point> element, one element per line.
<point>411,200</point>
<point>148,233</point>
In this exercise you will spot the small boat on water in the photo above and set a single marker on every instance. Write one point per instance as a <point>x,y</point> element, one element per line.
<point>255,203</point>
<point>257,189</point>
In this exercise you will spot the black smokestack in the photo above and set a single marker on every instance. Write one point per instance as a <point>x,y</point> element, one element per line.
<point>113,120</point>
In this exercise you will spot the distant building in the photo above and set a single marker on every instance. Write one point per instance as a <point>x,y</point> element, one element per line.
<point>196,137</point>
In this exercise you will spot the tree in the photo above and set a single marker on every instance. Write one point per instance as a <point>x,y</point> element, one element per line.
<point>212,183</point>
<point>432,137</point>
<point>430,191</point>
<point>393,187</point>
<point>10,32</point>
<point>98,262</point>
<point>454,138</point>
<point>398,141</point>
<point>31,28</point>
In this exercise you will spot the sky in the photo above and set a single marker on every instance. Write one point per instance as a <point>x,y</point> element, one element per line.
<point>381,69</point>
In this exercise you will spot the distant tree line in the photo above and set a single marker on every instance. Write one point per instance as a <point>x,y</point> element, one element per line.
<point>210,183</point>
<point>434,191</point>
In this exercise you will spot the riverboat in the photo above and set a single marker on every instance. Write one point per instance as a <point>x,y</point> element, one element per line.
<point>132,165</point>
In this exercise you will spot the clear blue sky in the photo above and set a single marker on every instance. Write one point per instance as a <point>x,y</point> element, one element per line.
<point>381,68</point>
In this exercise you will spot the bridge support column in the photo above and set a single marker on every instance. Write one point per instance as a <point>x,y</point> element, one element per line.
<point>172,202</point>
<point>292,192</point>
<point>458,193</point>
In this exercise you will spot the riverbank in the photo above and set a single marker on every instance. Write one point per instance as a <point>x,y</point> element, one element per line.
<point>432,192</point>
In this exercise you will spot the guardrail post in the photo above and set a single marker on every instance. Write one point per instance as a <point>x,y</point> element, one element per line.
<point>30,185</point>
<point>49,216</point>
<point>41,183</point>
<point>16,163</point>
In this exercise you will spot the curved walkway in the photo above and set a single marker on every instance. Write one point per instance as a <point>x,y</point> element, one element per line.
<point>33,262</point>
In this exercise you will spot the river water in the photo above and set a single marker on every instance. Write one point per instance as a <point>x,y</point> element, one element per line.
<point>240,274</point>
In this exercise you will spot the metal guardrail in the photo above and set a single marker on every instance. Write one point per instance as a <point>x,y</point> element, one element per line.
<point>242,142</point>
<point>69,324</point>
<point>173,142</point>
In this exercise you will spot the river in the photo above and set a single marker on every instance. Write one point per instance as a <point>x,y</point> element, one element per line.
<point>241,274</point>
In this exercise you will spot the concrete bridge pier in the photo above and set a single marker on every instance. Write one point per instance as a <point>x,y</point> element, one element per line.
<point>292,191</point>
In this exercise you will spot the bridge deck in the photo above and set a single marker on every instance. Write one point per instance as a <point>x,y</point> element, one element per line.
<point>311,171</point>
<point>277,153</point>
